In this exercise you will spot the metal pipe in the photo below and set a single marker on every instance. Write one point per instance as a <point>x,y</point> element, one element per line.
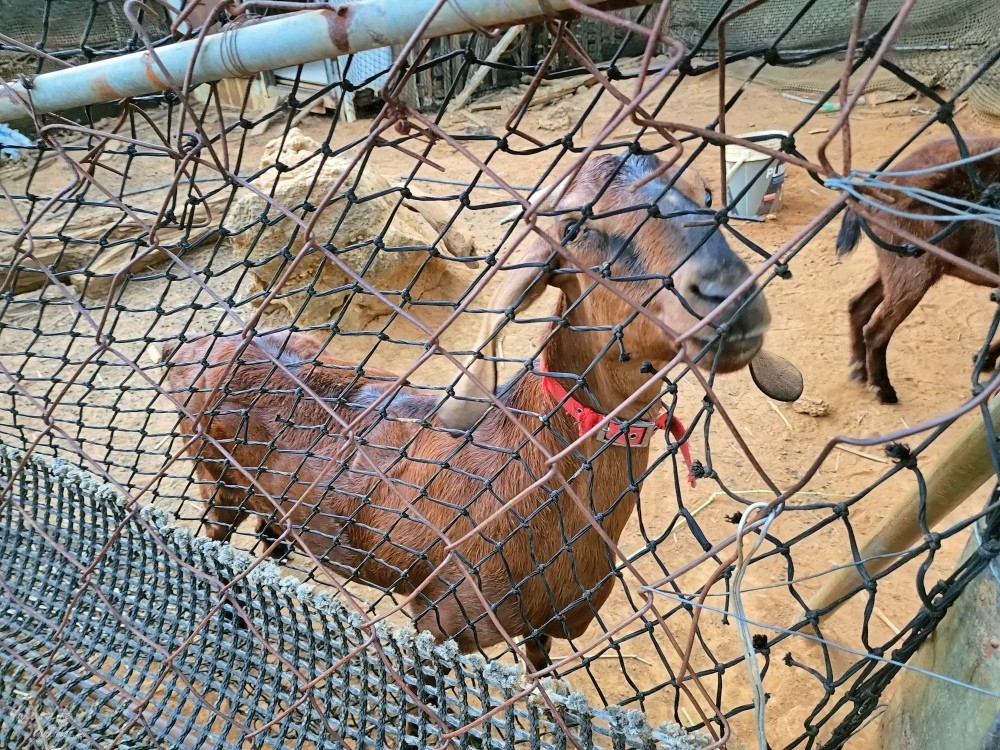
<point>293,39</point>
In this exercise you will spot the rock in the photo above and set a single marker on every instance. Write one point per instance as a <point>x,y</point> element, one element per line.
<point>369,232</point>
<point>556,117</point>
<point>811,406</point>
<point>294,147</point>
<point>478,130</point>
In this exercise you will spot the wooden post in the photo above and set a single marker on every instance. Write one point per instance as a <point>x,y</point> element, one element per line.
<point>929,712</point>
<point>410,95</point>
<point>950,481</point>
<point>483,70</point>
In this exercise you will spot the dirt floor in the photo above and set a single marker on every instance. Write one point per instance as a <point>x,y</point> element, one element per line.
<point>930,361</point>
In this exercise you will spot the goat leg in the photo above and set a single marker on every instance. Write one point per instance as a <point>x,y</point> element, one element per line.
<point>221,520</point>
<point>229,613</point>
<point>270,534</point>
<point>426,694</point>
<point>990,363</point>
<point>879,383</point>
<point>860,310</point>
<point>899,301</point>
<point>878,373</point>
<point>537,652</point>
<point>220,523</point>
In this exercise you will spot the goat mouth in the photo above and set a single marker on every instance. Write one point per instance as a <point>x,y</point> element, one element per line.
<point>732,353</point>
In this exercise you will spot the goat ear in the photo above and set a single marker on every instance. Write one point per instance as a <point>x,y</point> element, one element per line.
<point>543,199</point>
<point>776,377</point>
<point>519,287</point>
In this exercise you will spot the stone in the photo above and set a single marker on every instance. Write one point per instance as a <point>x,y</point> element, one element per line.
<point>556,117</point>
<point>811,406</point>
<point>362,224</point>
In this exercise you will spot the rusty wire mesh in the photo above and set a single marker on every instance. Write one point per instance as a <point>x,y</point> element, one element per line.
<point>205,218</point>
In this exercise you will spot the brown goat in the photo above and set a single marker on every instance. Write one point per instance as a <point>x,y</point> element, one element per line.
<point>901,281</point>
<point>540,567</point>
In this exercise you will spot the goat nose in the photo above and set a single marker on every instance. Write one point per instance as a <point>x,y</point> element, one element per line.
<point>711,291</point>
<point>711,288</point>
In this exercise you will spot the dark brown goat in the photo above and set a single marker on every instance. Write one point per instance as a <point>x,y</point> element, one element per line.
<point>901,281</point>
<point>540,567</point>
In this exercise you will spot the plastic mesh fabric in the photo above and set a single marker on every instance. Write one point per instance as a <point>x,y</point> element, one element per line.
<point>154,679</point>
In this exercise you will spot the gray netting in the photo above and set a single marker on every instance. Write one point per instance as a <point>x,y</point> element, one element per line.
<point>108,634</point>
<point>73,30</point>
<point>942,43</point>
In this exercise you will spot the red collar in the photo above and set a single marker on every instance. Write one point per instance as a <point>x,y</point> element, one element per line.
<point>615,432</point>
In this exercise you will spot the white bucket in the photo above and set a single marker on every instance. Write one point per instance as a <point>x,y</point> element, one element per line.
<point>745,166</point>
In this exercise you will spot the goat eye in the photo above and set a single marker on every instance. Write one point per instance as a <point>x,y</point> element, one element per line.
<point>571,230</point>
<point>708,197</point>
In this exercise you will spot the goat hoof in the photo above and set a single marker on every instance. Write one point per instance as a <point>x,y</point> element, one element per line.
<point>859,374</point>
<point>989,364</point>
<point>887,396</point>
<point>886,393</point>
<point>281,551</point>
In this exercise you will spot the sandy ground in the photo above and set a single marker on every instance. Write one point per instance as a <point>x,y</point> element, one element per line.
<point>930,362</point>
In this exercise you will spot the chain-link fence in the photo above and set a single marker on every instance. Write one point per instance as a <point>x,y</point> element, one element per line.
<point>483,426</point>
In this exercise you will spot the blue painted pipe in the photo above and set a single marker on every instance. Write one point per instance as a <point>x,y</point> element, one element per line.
<point>242,51</point>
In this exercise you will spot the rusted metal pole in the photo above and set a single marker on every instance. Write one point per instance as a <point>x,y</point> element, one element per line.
<point>240,52</point>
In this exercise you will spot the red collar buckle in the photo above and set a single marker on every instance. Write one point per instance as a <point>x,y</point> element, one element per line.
<point>634,435</point>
